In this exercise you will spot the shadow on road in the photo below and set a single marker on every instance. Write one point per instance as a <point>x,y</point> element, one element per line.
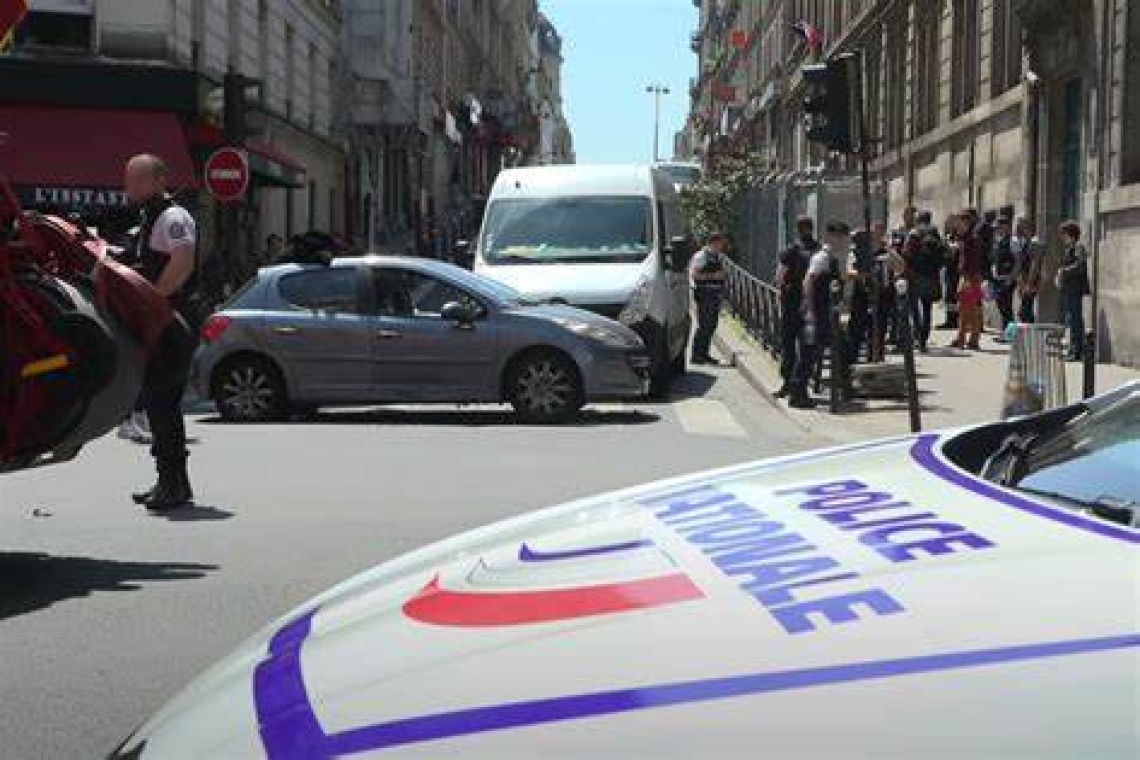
<point>194,513</point>
<point>460,418</point>
<point>31,581</point>
<point>693,384</point>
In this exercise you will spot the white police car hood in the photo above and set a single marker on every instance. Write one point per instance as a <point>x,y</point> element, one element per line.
<point>872,601</point>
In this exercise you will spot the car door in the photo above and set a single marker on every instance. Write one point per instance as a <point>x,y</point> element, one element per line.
<point>321,332</point>
<point>419,355</point>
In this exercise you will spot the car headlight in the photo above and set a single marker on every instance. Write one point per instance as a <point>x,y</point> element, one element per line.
<point>600,333</point>
<point>639,301</point>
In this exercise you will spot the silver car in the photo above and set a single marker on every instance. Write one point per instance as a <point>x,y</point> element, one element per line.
<point>391,329</point>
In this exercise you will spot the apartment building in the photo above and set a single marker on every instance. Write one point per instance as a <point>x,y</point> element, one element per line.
<point>90,82</point>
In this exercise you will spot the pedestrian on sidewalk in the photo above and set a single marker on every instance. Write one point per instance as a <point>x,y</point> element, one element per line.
<point>167,254</point>
<point>1029,258</point>
<point>1002,271</point>
<point>924,255</point>
<point>950,273</point>
<point>706,271</point>
<point>888,264</point>
<point>1072,280</point>
<point>971,265</point>
<point>823,269</point>
<point>790,276</point>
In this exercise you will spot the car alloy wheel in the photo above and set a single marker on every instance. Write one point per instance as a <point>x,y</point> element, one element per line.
<point>249,391</point>
<point>546,388</point>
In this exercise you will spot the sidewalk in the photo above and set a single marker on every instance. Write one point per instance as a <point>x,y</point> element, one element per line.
<point>956,387</point>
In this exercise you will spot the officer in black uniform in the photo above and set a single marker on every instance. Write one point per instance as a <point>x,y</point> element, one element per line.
<point>706,271</point>
<point>166,256</point>
<point>823,268</point>
<point>790,282</point>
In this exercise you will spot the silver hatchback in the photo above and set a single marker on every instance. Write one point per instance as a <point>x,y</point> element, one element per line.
<point>379,329</point>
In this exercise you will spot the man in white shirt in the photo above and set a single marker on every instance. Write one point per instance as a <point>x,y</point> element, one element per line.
<point>165,255</point>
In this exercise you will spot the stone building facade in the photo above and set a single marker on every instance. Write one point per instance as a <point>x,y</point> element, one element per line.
<point>1033,104</point>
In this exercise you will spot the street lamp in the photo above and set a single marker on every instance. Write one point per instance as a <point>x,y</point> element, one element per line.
<point>656,90</point>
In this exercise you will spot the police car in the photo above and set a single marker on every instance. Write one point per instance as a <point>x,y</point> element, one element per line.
<point>973,594</point>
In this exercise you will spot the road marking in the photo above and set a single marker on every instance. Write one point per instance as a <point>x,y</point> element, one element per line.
<point>702,416</point>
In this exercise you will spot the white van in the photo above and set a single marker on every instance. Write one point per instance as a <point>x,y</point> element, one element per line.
<point>609,239</point>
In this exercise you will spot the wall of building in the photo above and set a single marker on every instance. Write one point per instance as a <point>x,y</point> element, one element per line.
<point>962,125</point>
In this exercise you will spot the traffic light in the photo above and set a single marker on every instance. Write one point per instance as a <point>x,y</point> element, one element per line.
<point>832,103</point>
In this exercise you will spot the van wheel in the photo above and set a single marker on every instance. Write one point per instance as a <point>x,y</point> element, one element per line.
<point>249,389</point>
<point>545,387</point>
<point>663,369</point>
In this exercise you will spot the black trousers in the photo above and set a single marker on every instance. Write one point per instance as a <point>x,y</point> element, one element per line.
<point>790,325</point>
<point>1073,303</point>
<point>163,388</point>
<point>708,315</point>
<point>1003,299</point>
<point>921,317</point>
<point>1027,309</point>
<point>859,326</point>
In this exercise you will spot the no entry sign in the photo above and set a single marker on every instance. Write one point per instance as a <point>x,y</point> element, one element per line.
<point>227,174</point>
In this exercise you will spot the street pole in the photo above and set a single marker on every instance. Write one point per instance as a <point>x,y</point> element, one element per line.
<point>657,91</point>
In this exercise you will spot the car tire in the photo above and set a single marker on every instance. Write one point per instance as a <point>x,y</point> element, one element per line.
<point>662,370</point>
<point>544,387</point>
<point>249,389</point>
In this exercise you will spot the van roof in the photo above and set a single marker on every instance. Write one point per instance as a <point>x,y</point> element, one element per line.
<point>576,179</point>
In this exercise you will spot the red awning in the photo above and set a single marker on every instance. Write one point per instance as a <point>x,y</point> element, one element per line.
<point>88,148</point>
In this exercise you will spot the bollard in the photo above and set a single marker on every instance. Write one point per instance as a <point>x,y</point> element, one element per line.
<point>906,342</point>
<point>1088,362</point>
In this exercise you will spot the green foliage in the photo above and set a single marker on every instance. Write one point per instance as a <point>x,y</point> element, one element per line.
<point>710,204</point>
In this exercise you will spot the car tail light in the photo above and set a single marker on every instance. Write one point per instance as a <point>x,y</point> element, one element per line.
<point>214,327</point>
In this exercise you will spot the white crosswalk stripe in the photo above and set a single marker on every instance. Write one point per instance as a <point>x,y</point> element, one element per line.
<point>702,416</point>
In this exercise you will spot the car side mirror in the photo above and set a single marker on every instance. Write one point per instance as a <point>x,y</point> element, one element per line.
<point>678,253</point>
<point>463,315</point>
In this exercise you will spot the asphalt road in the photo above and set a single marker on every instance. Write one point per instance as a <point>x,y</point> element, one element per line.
<point>106,611</point>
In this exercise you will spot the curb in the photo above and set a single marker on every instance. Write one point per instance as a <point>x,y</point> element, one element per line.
<point>740,360</point>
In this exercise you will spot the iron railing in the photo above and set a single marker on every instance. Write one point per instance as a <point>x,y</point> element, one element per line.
<point>756,304</point>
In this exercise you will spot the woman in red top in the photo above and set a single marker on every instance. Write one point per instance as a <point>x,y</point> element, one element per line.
<point>971,260</point>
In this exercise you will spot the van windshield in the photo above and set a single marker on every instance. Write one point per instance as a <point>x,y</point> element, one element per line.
<point>576,229</point>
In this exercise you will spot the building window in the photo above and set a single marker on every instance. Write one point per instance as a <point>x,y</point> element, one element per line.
<point>965,70</point>
<point>290,72</point>
<point>313,106</point>
<point>1006,47</point>
<point>872,84</point>
<point>927,73</point>
<point>263,43</point>
<point>1130,149</point>
<point>896,105</point>
<point>233,36</point>
<point>312,205</point>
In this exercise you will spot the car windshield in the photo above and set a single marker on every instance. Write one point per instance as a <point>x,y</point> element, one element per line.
<point>484,285</point>
<point>573,229</point>
<point>1091,462</point>
<point>681,175</point>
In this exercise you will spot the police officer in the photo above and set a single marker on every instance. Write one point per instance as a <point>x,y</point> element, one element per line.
<point>706,271</point>
<point>823,268</point>
<point>166,256</point>
<point>790,282</point>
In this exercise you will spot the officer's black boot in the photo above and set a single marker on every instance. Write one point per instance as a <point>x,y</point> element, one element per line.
<point>173,488</point>
<point>142,497</point>
<point>784,390</point>
<point>799,398</point>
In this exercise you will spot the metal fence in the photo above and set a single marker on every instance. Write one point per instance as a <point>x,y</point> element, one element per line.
<point>756,304</point>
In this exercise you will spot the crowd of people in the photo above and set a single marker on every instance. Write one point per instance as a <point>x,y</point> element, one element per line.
<point>969,261</point>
